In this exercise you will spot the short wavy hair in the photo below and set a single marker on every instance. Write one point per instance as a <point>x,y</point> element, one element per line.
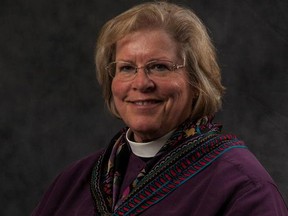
<point>188,32</point>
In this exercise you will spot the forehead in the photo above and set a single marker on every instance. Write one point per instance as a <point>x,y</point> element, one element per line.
<point>146,43</point>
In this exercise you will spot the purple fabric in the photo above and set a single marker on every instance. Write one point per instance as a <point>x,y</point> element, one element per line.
<point>135,165</point>
<point>235,184</point>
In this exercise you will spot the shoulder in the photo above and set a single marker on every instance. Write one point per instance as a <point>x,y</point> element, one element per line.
<point>79,170</point>
<point>232,156</point>
<point>88,160</point>
<point>243,162</point>
<point>249,182</point>
<point>72,185</point>
<point>239,168</point>
<point>83,166</point>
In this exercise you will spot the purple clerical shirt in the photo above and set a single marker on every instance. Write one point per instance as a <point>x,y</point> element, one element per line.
<point>234,185</point>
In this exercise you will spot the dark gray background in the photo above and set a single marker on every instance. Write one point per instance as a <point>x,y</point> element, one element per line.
<point>52,112</point>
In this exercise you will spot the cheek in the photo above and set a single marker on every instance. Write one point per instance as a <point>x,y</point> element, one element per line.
<point>179,89</point>
<point>183,96</point>
<point>113,88</point>
<point>117,95</point>
<point>117,89</point>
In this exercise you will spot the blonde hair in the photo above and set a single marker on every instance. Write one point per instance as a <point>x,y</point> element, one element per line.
<point>187,31</point>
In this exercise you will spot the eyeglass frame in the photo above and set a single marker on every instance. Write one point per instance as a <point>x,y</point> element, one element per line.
<point>174,67</point>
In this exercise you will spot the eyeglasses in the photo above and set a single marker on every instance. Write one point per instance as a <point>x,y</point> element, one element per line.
<point>126,71</point>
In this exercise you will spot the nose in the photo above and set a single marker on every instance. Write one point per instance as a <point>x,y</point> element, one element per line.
<point>142,81</point>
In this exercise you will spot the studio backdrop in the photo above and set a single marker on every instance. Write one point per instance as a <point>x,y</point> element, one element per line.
<point>51,108</point>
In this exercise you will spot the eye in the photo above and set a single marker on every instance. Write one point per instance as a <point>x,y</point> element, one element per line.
<point>159,67</point>
<point>125,68</point>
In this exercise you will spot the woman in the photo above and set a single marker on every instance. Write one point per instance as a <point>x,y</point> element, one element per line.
<point>158,70</point>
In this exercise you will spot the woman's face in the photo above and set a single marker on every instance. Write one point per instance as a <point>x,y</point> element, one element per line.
<point>151,107</point>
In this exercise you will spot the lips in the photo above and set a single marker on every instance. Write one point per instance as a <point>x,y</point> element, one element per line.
<point>145,102</point>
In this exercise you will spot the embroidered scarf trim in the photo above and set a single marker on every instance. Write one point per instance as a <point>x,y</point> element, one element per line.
<point>191,148</point>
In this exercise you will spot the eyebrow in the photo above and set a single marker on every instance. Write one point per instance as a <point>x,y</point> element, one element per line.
<point>153,60</point>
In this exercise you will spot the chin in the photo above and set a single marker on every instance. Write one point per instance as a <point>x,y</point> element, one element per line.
<point>144,129</point>
<point>148,132</point>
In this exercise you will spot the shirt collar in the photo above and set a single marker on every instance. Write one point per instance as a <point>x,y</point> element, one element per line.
<point>147,149</point>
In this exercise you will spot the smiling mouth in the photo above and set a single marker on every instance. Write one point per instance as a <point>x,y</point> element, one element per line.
<point>145,102</point>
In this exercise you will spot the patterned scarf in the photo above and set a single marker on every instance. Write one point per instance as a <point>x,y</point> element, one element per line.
<point>192,147</point>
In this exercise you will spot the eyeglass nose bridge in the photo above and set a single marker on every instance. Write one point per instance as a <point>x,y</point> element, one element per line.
<point>145,70</point>
<point>144,67</point>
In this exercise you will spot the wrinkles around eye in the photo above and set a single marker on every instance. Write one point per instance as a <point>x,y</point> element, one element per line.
<point>127,69</point>
<point>159,67</point>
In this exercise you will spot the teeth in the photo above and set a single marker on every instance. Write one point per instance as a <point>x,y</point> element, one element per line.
<point>143,103</point>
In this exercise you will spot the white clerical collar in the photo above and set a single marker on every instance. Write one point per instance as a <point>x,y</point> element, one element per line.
<point>147,149</point>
